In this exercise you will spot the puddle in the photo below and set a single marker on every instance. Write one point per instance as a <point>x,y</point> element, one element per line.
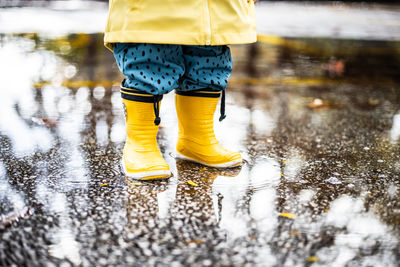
<point>302,113</point>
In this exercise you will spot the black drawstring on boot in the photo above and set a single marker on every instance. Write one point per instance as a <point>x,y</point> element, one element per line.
<point>223,116</point>
<point>156,105</point>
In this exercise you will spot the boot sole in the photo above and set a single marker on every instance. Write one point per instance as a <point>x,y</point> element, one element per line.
<point>231,164</point>
<point>146,176</point>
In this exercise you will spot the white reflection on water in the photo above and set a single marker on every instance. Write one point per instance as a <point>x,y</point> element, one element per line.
<point>265,173</point>
<point>262,122</point>
<point>395,130</point>
<point>99,92</point>
<point>342,208</point>
<point>305,196</point>
<point>25,139</point>
<point>231,131</point>
<point>9,195</point>
<point>349,212</point>
<point>49,98</point>
<point>70,71</point>
<point>17,102</point>
<point>101,132</point>
<point>65,246</point>
<point>362,230</point>
<point>64,235</point>
<point>82,100</point>
<point>117,134</point>
<point>169,130</point>
<point>165,199</point>
<point>263,210</point>
<point>71,124</point>
<point>64,243</point>
<point>116,103</point>
<point>264,178</point>
<point>233,191</point>
<point>234,217</point>
<point>65,103</point>
<point>292,165</point>
<point>392,190</point>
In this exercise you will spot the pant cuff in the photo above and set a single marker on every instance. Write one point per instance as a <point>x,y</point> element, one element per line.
<point>200,93</point>
<point>138,95</point>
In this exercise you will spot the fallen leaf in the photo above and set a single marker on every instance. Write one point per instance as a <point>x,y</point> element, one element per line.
<point>312,259</point>
<point>294,232</point>
<point>104,184</point>
<point>203,169</point>
<point>373,102</point>
<point>319,104</point>
<point>8,219</point>
<point>195,241</point>
<point>45,122</point>
<point>334,67</point>
<point>134,183</point>
<point>289,161</point>
<point>192,183</point>
<point>288,215</point>
<point>367,104</point>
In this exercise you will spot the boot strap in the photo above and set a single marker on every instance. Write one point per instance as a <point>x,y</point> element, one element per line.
<point>208,93</point>
<point>140,96</point>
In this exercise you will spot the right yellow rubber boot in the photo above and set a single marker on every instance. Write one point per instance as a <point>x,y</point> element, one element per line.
<point>196,139</point>
<point>142,159</point>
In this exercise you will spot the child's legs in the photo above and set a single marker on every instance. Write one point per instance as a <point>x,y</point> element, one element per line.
<point>206,67</point>
<point>151,68</point>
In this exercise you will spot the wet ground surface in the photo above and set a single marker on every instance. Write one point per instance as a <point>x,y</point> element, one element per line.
<point>317,120</point>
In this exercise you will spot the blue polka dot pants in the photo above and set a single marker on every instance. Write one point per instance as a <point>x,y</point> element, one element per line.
<point>159,68</point>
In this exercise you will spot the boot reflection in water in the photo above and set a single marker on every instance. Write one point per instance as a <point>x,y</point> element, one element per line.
<point>144,212</point>
<point>200,75</point>
<point>164,206</point>
<point>194,197</point>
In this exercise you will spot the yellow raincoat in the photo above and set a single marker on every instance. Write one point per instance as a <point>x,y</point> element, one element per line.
<point>187,22</point>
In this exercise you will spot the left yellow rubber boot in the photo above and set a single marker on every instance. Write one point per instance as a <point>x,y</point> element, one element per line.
<point>142,159</point>
<point>196,140</point>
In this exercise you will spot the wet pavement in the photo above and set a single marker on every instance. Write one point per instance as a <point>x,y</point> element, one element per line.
<point>317,121</point>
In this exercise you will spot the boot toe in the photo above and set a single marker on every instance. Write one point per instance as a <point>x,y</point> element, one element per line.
<point>146,170</point>
<point>233,159</point>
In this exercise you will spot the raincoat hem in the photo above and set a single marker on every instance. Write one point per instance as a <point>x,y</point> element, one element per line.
<point>181,38</point>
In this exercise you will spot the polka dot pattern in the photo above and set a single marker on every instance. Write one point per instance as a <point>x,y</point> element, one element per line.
<point>160,68</point>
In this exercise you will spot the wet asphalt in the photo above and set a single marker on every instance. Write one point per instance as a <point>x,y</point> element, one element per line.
<point>316,120</point>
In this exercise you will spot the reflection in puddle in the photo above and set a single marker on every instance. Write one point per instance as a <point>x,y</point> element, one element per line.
<point>395,131</point>
<point>292,166</point>
<point>319,185</point>
<point>263,209</point>
<point>102,132</point>
<point>262,122</point>
<point>265,173</point>
<point>305,196</point>
<point>362,231</point>
<point>11,201</point>
<point>65,246</point>
<point>18,103</point>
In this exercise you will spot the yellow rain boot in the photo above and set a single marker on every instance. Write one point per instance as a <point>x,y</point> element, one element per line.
<point>142,158</point>
<point>196,141</point>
